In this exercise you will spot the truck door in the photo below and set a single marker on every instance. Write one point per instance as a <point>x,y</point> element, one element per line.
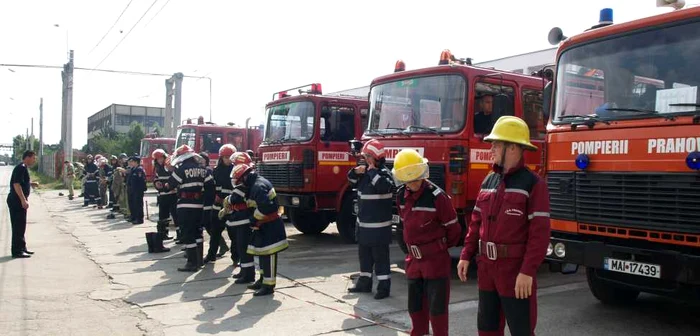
<point>490,102</point>
<point>337,127</point>
<point>532,101</point>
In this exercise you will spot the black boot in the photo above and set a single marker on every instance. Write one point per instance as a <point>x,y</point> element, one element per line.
<point>158,244</point>
<point>200,254</point>
<point>163,229</point>
<point>111,216</point>
<point>383,289</point>
<point>191,264</point>
<point>209,258</point>
<point>363,285</point>
<point>246,275</point>
<point>223,248</point>
<point>257,285</point>
<point>264,290</point>
<point>178,236</point>
<point>149,241</point>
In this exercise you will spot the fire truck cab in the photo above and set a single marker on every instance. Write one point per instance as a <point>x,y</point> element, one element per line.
<point>150,143</point>
<point>209,137</point>
<point>623,158</point>
<point>444,112</point>
<point>305,155</point>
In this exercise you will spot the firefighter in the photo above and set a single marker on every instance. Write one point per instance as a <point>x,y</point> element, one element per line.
<point>190,179</point>
<point>269,236</point>
<point>113,163</point>
<point>222,180</point>
<point>68,177</point>
<point>136,186</point>
<point>116,189</point>
<point>237,214</point>
<point>123,194</point>
<point>103,173</point>
<point>509,229</point>
<point>92,192</point>
<point>374,185</point>
<point>430,227</point>
<point>208,209</point>
<point>167,198</point>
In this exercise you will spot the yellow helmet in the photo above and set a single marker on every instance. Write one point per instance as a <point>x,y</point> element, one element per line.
<point>409,166</point>
<point>511,129</point>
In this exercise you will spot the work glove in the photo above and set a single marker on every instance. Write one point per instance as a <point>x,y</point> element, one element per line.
<point>222,213</point>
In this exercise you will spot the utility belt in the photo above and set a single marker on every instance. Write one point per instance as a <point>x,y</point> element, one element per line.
<point>428,249</point>
<point>493,251</point>
<point>190,195</point>
<point>267,219</point>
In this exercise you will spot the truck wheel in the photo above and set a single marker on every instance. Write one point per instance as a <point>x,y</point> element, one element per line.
<point>607,293</point>
<point>308,222</point>
<point>346,220</point>
<point>399,238</point>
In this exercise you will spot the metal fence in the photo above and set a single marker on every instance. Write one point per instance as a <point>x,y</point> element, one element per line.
<point>51,164</point>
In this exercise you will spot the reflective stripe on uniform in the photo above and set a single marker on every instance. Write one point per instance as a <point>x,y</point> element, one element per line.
<point>374,225</point>
<point>238,222</point>
<point>190,206</point>
<point>538,214</point>
<point>519,191</point>
<point>378,196</point>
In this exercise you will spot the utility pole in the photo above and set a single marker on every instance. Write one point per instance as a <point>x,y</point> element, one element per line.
<point>178,100</point>
<point>168,129</point>
<point>67,115</point>
<point>31,137</point>
<point>41,131</point>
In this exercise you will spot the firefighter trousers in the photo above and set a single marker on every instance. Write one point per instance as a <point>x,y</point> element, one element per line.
<point>429,293</point>
<point>136,205</point>
<point>214,228</point>
<point>167,207</point>
<point>375,258</point>
<point>497,302</point>
<point>240,238</point>
<point>268,269</point>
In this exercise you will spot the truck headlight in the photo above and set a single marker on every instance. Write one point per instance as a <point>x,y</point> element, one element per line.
<point>550,249</point>
<point>559,250</point>
<point>295,201</point>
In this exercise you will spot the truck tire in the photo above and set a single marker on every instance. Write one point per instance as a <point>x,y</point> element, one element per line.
<point>308,222</point>
<point>607,293</point>
<point>346,220</point>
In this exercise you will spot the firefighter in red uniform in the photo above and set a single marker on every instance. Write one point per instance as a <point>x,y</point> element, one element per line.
<point>509,229</point>
<point>430,227</point>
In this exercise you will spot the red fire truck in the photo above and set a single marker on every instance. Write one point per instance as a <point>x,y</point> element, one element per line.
<point>209,137</point>
<point>305,155</point>
<point>623,159</point>
<point>150,143</point>
<point>444,112</point>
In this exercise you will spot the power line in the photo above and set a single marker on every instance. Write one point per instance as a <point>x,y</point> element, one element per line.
<point>158,12</point>
<point>110,28</point>
<point>127,34</point>
<point>124,72</point>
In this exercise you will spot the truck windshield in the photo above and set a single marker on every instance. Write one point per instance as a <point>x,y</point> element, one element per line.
<point>290,121</point>
<point>418,105</point>
<point>145,148</point>
<point>640,75</point>
<point>186,136</point>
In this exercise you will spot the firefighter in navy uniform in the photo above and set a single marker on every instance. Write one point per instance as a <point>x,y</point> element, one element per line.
<point>92,192</point>
<point>190,179</point>
<point>222,180</point>
<point>430,227</point>
<point>113,165</point>
<point>510,230</point>
<point>374,232</point>
<point>136,188</point>
<point>209,198</point>
<point>167,198</point>
<point>237,214</point>
<point>269,236</point>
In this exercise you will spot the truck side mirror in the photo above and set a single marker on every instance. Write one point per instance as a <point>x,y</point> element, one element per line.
<point>546,101</point>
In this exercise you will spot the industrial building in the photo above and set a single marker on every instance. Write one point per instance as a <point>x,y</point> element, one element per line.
<point>119,117</point>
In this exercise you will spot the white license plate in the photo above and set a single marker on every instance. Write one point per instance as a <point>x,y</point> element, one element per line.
<point>395,219</point>
<point>632,267</point>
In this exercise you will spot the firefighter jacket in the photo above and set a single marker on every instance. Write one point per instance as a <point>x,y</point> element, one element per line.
<point>91,171</point>
<point>269,236</point>
<point>189,179</point>
<point>162,175</point>
<point>430,224</point>
<point>222,180</point>
<point>209,190</point>
<point>68,171</point>
<point>512,210</point>
<point>137,180</point>
<point>108,172</point>
<point>374,200</point>
<point>240,212</point>
<point>117,181</point>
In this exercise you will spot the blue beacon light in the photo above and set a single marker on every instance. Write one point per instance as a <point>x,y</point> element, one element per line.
<point>606,16</point>
<point>582,161</point>
<point>693,160</point>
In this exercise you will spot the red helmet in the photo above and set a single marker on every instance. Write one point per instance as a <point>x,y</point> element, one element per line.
<point>227,150</point>
<point>374,148</point>
<point>183,150</point>
<point>182,153</point>
<point>98,157</point>
<point>241,158</point>
<point>158,153</point>
<point>238,172</point>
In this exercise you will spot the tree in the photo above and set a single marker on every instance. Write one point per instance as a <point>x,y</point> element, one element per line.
<point>133,138</point>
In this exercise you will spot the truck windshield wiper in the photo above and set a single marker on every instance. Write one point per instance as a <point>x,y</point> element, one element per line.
<point>623,109</point>
<point>290,140</point>
<point>423,128</point>
<point>685,104</point>
<point>588,120</point>
<point>401,130</point>
<point>374,132</point>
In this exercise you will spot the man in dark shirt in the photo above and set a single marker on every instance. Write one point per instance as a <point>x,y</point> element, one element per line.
<point>483,121</point>
<point>17,202</point>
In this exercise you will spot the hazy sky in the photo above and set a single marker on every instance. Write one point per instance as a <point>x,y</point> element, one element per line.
<point>253,48</point>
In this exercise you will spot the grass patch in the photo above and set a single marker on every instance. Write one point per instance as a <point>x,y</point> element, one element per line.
<point>50,183</point>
